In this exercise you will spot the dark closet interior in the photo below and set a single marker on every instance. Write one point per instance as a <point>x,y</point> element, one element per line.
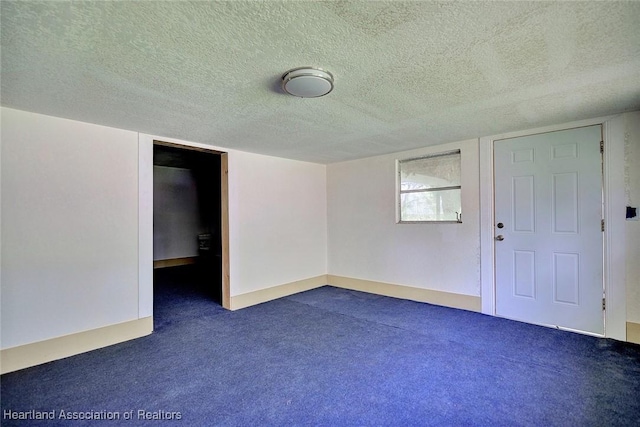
<point>205,274</point>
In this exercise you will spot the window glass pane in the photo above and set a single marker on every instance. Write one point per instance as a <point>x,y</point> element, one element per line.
<point>430,206</point>
<point>430,172</point>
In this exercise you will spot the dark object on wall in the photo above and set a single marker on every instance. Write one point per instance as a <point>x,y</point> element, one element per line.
<point>632,212</point>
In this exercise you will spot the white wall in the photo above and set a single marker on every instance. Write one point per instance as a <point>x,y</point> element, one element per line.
<point>632,228</point>
<point>277,221</point>
<point>366,243</point>
<point>176,219</point>
<point>69,227</point>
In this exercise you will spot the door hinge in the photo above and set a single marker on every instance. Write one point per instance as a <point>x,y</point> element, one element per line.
<point>602,225</point>
<point>604,304</point>
<point>601,147</point>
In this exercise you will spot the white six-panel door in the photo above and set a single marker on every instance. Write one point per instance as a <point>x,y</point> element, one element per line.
<point>548,211</point>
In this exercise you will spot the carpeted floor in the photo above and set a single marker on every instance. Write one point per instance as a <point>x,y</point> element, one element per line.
<point>335,357</point>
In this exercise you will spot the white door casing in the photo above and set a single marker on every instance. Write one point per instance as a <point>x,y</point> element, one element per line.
<point>548,196</point>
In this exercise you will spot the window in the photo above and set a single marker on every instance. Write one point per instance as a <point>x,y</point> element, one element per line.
<point>429,188</point>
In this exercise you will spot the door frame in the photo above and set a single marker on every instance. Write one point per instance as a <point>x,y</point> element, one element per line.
<point>145,217</point>
<point>614,208</point>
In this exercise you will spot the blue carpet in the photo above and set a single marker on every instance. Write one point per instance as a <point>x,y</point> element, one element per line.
<point>336,357</point>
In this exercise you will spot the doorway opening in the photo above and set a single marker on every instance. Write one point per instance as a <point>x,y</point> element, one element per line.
<point>190,226</point>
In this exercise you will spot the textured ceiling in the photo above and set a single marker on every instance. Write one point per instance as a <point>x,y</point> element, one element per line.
<point>408,74</point>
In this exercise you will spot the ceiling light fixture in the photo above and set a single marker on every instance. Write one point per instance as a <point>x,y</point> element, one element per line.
<point>307,82</point>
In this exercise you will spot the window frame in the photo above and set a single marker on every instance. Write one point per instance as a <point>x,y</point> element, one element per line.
<point>400,192</point>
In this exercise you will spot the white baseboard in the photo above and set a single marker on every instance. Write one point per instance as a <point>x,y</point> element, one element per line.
<point>264,295</point>
<point>25,356</point>
<point>447,299</point>
<point>174,262</point>
<point>633,332</point>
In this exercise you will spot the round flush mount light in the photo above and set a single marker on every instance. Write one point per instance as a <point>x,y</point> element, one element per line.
<point>307,82</point>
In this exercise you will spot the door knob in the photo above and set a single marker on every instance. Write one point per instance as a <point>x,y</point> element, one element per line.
<point>499,237</point>
<point>500,225</point>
